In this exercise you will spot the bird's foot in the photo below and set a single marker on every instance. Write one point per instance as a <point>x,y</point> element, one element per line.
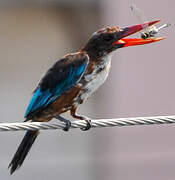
<point>67,126</point>
<point>77,116</point>
<point>66,121</point>
<point>88,125</point>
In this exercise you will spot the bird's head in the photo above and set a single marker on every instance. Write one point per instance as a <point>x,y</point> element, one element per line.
<point>109,39</point>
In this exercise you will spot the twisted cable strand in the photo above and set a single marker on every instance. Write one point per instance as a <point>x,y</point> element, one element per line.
<point>95,123</point>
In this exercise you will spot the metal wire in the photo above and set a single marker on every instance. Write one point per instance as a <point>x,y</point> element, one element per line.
<point>99,123</point>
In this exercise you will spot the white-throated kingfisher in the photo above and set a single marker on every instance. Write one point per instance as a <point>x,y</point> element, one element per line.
<point>72,79</point>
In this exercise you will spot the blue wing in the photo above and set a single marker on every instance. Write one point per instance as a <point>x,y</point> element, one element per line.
<point>64,74</point>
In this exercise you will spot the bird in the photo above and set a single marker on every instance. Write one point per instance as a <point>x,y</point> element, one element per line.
<point>72,80</point>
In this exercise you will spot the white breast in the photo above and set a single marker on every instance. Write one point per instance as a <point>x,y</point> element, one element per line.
<point>95,80</point>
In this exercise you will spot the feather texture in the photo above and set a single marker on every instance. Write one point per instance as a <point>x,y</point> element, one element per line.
<point>63,75</point>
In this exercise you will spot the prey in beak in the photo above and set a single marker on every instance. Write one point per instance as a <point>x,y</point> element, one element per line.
<point>124,32</point>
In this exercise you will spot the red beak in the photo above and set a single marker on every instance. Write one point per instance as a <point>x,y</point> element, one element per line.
<point>132,30</point>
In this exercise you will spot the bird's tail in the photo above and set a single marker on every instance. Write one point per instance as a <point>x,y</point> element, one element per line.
<point>23,150</point>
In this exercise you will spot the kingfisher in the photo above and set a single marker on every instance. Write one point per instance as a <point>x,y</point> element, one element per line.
<point>72,80</point>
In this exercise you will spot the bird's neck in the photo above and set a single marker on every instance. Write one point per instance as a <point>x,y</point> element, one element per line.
<point>97,57</point>
<point>96,64</point>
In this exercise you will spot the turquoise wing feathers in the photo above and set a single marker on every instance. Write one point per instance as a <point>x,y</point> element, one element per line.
<point>63,75</point>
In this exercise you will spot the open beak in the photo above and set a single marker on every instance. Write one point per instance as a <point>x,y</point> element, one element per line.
<point>123,42</point>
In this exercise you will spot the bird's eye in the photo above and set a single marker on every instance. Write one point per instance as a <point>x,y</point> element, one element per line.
<point>108,37</point>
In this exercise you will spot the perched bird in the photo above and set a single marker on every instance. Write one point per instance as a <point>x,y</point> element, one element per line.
<point>73,79</point>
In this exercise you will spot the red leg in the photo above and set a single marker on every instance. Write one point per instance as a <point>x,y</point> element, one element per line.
<point>81,117</point>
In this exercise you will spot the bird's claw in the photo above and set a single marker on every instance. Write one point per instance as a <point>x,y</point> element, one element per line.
<point>67,125</point>
<point>88,125</point>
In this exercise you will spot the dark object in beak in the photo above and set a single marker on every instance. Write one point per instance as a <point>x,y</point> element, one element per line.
<point>132,30</point>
